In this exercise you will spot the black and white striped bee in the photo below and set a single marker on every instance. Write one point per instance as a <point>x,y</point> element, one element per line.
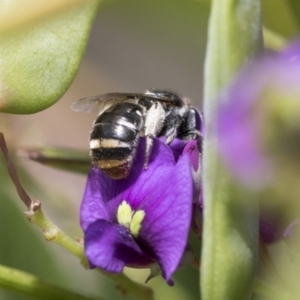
<point>124,117</point>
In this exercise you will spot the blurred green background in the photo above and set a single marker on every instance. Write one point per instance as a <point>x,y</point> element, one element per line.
<point>134,45</point>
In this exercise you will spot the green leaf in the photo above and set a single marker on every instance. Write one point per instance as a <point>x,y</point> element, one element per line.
<point>41,46</point>
<point>230,236</point>
<point>59,158</point>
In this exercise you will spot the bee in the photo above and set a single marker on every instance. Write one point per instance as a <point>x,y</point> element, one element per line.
<point>124,117</point>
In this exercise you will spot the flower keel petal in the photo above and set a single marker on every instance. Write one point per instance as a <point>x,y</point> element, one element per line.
<point>110,247</point>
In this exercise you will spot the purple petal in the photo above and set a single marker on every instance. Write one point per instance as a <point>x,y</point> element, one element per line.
<point>164,191</point>
<point>110,247</point>
<point>192,149</point>
<point>103,195</point>
<point>177,147</point>
<point>92,206</point>
<point>292,53</point>
<point>243,120</point>
<point>168,215</point>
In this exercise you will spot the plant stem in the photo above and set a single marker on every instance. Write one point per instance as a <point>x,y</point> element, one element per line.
<point>30,285</point>
<point>53,233</point>
<point>230,228</point>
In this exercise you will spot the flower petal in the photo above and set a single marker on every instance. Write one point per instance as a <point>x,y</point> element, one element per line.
<point>110,247</point>
<point>291,53</point>
<point>164,192</point>
<point>168,216</point>
<point>92,206</point>
<point>103,195</point>
<point>192,149</point>
<point>255,124</point>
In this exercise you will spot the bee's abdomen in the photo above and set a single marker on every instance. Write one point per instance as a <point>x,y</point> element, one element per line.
<point>113,131</point>
<point>115,162</point>
<point>114,138</point>
<point>113,148</point>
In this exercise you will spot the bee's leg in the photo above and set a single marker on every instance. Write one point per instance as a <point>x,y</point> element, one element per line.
<point>170,135</point>
<point>154,121</point>
<point>193,135</point>
<point>148,149</point>
<point>173,122</point>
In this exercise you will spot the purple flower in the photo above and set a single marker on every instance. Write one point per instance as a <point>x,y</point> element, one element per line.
<point>258,129</point>
<point>258,126</point>
<point>145,218</point>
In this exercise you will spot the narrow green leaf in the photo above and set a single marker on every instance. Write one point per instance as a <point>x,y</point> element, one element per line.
<point>40,53</point>
<point>59,158</point>
<point>230,237</point>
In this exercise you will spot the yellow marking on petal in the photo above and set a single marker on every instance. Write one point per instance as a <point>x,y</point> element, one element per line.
<point>136,222</point>
<point>124,214</point>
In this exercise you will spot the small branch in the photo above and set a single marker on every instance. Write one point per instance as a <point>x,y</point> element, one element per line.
<point>28,284</point>
<point>13,173</point>
<point>52,233</point>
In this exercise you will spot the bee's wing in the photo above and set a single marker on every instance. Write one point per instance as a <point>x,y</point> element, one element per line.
<point>101,102</point>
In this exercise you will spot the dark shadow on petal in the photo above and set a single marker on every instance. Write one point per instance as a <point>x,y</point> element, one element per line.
<point>110,247</point>
<point>177,147</point>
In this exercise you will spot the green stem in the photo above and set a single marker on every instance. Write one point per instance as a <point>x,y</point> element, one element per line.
<point>230,229</point>
<point>234,37</point>
<point>27,284</point>
<point>52,233</point>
